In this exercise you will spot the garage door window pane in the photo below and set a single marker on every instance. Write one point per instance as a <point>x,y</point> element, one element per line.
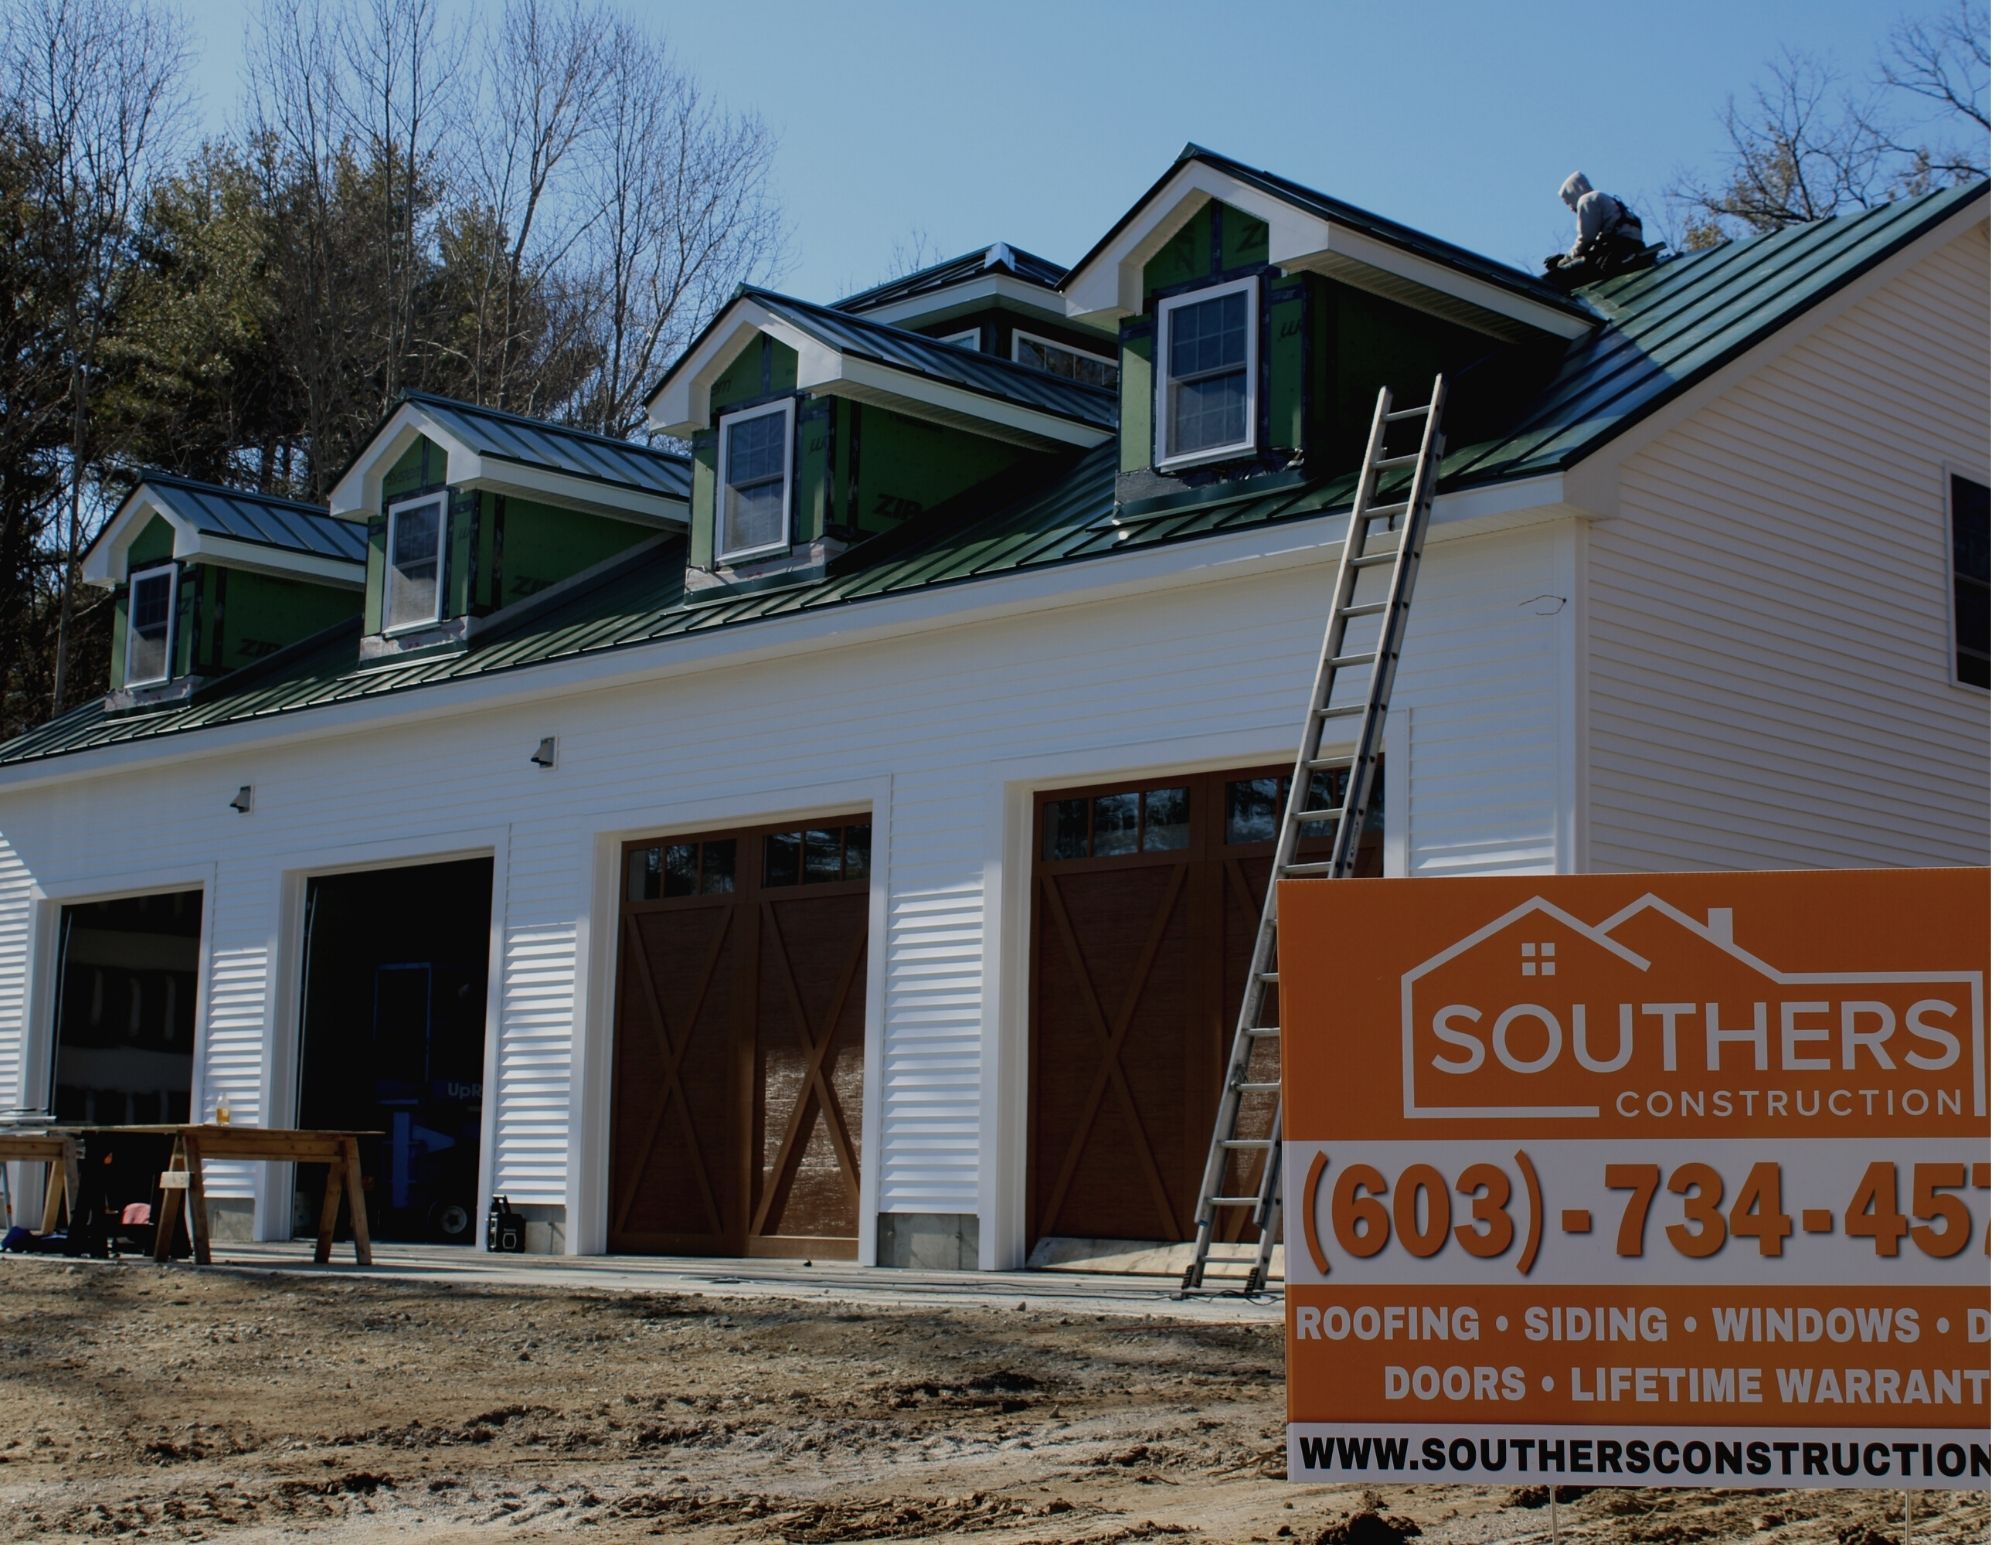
<point>781,858</point>
<point>678,865</point>
<point>1166,820</point>
<point>1066,829</point>
<point>1251,810</point>
<point>822,856</point>
<point>1114,825</point>
<point>642,875</point>
<point>857,853</point>
<point>718,868</point>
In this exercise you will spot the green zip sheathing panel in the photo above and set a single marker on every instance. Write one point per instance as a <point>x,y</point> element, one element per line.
<point>153,544</point>
<point>119,613</point>
<point>525,547</point>
<point>1216,239</point>
<point>248,616</point>
<point>762,368</point>
<point>701,519</point>
<point>909,466</point>
<point>1135,398</point>
<point>420,466</point>
<point>1665,330</point>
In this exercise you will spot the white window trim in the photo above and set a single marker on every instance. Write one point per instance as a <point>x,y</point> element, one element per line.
<point>789,408</point>
<point>1161,337</point>
<point>969,339</point>
<point>442,500</point>
<point>1951,675</point>
<point>172,573</point>
<point>1059,346</point>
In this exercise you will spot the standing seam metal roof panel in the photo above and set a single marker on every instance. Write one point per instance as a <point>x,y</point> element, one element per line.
<point>1651,349</point>
<point>258,518</point>
<point>559,448</point>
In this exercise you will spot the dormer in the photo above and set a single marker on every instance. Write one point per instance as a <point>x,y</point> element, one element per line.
<point>470,510</point>
<point>998,300</point>
<point>1256,319</point>
<point>814,428</point>
<point>208,579</point>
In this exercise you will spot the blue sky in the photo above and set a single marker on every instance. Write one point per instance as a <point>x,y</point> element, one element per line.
<point>1040,123</point>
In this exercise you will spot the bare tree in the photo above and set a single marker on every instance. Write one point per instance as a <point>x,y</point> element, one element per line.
<point>679,184</point>
<point>397,81</point>
<point>98,90</point>
<point>545,72</point>
<point>1807,144</point>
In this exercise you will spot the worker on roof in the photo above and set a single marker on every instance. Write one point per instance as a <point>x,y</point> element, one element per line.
<point>1609,237</point>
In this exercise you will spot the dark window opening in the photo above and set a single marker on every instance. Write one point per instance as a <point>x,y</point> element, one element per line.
<point>1972,582</point>
<point>125,1014</point>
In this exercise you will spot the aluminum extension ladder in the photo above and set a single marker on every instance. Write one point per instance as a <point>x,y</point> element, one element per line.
<point>1237,1122</point>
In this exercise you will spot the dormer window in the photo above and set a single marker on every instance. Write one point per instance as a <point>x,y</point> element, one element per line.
<point>414,593</point>
<point>1059,359</point>
<point>753,486</point>
<point>969,339</point>
<point>149,628</point>
<point>1207,393</point>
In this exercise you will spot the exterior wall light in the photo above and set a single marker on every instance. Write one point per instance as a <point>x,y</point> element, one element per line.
<point>245,797</point>
<point>545,753</point>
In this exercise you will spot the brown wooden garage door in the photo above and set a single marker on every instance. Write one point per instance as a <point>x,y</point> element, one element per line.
<point>1146,902</point>
<point>737,1075</point>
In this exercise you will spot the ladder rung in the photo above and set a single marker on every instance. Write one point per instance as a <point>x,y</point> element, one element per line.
<point>1259,1030</point>
<point>1380,511</point>
<point>1261,1087</point>
<point>1363,609</point>
<point>1402,413</point>
<point>1290,871</point>
<point>1342,711</point>
<point>1314,817</point>
<point>1269,978</point>
<point>1330,763</point>
<point>1370,560</point>
<point>1235,1201</point>
<point>1400,461</point>
<point>1341,662</point>
<point>1246,1142</point>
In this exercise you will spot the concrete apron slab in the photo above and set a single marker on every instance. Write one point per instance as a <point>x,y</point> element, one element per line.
<point>1041,1291</point>
<point>1138,1257</point>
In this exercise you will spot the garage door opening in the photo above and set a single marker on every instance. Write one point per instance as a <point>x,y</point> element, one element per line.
<point>737,1078</point>
<point>393,1040</point>
<point>1146,901</point>
<point>124,1045</point>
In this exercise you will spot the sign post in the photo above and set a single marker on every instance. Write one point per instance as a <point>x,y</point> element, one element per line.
<point>1642,1180</point>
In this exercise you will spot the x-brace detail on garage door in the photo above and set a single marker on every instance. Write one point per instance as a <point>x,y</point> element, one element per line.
<point>1110,1075</point>
<point>814,1089</point>
<point>672,1092</point>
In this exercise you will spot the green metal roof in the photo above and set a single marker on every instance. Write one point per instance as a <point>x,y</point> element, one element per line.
<point>864,338</point>
<point>534,442</point>
<point>1000,258</point>
<point>283,524</point>
<point>1665,330</point>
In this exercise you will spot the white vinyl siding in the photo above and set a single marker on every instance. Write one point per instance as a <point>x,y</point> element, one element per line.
<point>413,578</point>
<point>149,628</point>
<point>1205,406</point>
<point>1769,625</point>
<point>945,723</point>
<point>753,482</point>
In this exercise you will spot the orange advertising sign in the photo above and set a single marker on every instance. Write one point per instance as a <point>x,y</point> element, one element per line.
<point>1638,1179</point>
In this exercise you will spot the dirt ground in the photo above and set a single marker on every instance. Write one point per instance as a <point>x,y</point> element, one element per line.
<point>165,1403</point>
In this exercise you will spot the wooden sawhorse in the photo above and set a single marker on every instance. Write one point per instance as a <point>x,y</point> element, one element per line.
<point>58,1151</point>
<point>340,1152</point>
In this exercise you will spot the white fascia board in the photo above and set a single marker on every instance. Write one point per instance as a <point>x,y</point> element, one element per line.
<point>358,495</point>
<point>985,289</point>
<point>925,397</point>
<point>1171,566</point>
<point>1112,284</point>
<point>347,572</point>
<point>502,476</point>
<point>104,563</point>
<point>1373,252</point>
<point>681,405</point>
